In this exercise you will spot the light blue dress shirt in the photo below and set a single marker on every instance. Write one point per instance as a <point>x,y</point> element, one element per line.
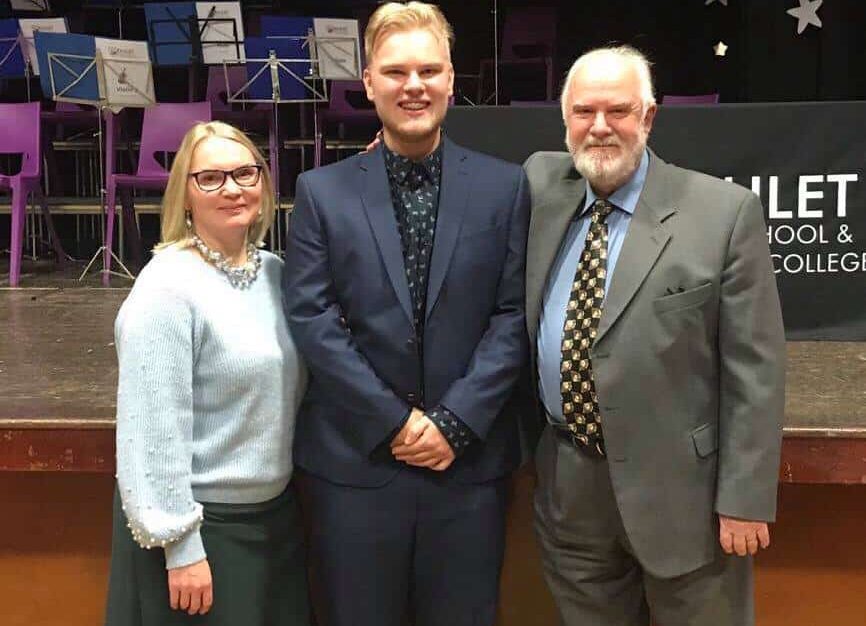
<point>562,276</point>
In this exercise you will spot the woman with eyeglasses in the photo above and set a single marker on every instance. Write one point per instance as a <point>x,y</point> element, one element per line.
<point>206,526</point>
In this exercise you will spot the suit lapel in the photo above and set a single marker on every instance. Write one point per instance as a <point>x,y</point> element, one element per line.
<point>376,197</point>
<point>644,242</point>
<point>548,226</point>
<point>453,197</point>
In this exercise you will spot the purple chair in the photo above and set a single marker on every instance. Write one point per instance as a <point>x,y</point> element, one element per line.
<point>216,89</point>
<point>255,116</point>
<point>348,108</point>
<point>21,135</point>
<point>528,38</point>
<point>162,130</point>
<point>707,98</point>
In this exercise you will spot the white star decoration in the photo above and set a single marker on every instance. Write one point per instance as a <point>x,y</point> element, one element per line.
<point>720,49</point>
<point>806,13</point>
<point>724,2</point>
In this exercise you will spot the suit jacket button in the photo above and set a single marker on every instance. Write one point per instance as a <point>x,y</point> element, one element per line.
<point>411,398</point>
<point>410,342</point>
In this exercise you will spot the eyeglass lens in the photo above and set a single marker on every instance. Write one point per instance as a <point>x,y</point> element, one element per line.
<point>245,176</point>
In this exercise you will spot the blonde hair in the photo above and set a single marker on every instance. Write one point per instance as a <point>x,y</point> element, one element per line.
<point>397,16</point>
<point>175,201</point>
<point>628,54</point>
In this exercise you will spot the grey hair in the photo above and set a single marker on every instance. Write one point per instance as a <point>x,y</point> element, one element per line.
<point>625,53</point>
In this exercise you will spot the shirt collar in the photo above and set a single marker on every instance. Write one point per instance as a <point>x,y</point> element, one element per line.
<point>625,197</point>
<point>399,167</point>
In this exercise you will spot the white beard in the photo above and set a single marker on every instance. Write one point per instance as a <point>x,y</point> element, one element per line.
<point>603,170</point>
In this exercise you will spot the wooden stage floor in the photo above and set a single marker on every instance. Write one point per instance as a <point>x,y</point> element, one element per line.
<point>58,373</point>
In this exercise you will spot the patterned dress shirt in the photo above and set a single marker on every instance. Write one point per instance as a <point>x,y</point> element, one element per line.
<point>415,195</point>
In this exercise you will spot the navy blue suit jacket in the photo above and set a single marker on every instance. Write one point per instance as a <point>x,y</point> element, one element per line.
<point>349,311</point>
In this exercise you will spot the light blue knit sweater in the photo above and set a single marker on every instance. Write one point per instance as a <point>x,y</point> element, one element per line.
<point>207,394</point>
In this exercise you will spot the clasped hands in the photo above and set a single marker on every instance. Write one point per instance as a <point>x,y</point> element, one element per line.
<point>742,537</point>
<point>420,443</point>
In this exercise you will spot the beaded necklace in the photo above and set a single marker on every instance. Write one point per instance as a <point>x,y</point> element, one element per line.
<point>239,277</point>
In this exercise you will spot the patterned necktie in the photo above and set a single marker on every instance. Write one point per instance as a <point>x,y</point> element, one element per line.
<point>579,400</point>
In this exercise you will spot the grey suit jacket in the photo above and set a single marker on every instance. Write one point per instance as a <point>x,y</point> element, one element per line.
<point>689,359</point>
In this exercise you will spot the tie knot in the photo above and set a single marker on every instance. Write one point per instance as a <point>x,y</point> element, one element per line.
<point>600,210</point>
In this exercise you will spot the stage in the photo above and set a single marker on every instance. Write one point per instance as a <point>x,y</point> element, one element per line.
<point>58,374</point>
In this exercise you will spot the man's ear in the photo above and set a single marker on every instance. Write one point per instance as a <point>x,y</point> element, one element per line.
<point>368,84</point>
<point>649,116</point>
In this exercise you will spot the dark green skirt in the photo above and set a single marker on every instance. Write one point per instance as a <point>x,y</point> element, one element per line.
<point>257,561</point>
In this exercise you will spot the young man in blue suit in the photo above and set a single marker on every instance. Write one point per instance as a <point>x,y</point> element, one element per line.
<point>405,293</point>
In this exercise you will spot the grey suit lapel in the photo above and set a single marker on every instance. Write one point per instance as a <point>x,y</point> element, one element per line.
<point>644,242</point>
<point>548,226</point>
<point>376,197</point>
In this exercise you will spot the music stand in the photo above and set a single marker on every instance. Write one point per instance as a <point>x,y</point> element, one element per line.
<point>11,51</point>
<point>337,48</point>
<point>281,79</point>
<point>99,76</point>
<point>174,31</point>
<point>125,74</point>
<point>28,28</point>
<point>279,76</point>
<point>220,44</point>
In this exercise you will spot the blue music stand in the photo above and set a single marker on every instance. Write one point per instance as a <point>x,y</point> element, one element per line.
<point>174,32</point>
<point>169,34</point>
<point>273,78</point>
<point>11,58</point>
<point>292,40</point>
<point>292,76</point>
<point>295,31</point>
<point>69,67</point>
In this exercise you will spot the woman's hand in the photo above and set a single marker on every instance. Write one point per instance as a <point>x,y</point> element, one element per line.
<point>190,588</point>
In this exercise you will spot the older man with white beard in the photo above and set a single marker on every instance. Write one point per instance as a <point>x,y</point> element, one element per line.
<point>658,353</point>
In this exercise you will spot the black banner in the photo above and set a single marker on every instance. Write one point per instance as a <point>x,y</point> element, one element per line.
<point>805,161</point>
